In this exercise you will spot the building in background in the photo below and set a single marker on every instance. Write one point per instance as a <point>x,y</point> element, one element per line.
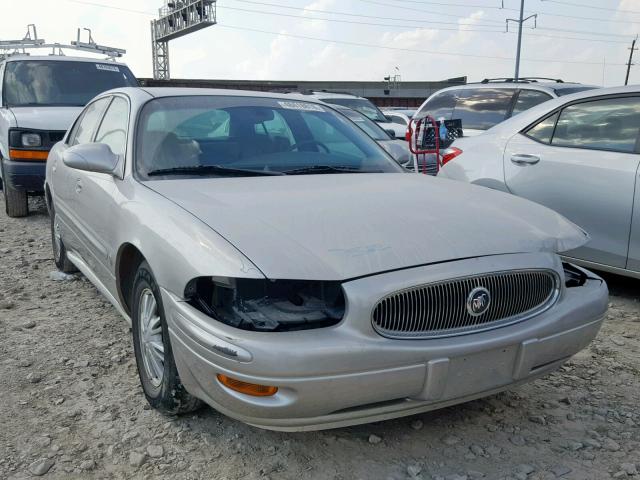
<point>383,94</point>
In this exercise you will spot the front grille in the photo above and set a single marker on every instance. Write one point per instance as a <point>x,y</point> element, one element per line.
<point>441,309</point>
<point>55,136</point>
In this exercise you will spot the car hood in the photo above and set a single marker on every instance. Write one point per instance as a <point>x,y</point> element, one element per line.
<point>45,118</point>
<point>342,226</point>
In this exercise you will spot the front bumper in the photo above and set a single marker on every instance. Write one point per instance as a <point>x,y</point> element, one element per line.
<point>348,374</point>
<point>28,176</point>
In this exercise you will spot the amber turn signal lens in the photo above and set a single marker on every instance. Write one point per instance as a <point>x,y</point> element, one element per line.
<point>28,154</point>
<point>247,388</point>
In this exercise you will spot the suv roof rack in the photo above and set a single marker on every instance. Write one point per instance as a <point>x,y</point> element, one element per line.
<point>521,80</point>
<point>9,48</point>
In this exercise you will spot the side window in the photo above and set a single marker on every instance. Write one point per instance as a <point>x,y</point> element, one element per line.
<point>398,120</point>
<point>441,105</point>
<point>113,129</point>
<point>611,124</point>
<point>482,108</point>
<point>86,126</point>
<point>543,130</point>
<point>528,99</point>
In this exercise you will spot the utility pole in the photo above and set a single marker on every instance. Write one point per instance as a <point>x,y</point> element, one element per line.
<point>520,21</point>
<point>633,49</point>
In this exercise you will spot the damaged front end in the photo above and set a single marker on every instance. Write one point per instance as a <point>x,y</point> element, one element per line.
<point>268,305</point>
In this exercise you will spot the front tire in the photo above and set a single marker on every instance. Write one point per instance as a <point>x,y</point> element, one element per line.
<point>16,203</point>
<point>154,357</point>
<point>59,250</point>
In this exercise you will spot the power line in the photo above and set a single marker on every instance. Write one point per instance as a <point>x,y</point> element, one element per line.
<point>463,5</point>
<point>537,35</point>
<point>353,22</point>
<point>333,12</point>
<point>122,9</point>
<point>414,26</point>
<point>415,50</point>
<point>581,5</point>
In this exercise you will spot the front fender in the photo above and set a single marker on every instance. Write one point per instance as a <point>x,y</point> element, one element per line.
<point>177,245</point>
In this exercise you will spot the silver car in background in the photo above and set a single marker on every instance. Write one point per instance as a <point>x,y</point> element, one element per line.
<point>578,155</point>
<point>398,149</point>
<point>259,247</point>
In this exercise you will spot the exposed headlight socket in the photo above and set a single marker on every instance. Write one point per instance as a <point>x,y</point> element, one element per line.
<point>266,305</point>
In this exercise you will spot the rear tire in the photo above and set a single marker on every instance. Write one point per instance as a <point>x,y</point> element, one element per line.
<point>154,357</point>
<point>59,250</point>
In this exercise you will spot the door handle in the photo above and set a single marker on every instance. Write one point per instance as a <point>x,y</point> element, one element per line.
<point>78,186</point>
<point>525,159</point>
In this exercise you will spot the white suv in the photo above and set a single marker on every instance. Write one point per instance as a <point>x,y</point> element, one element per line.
<point>40,97</point>
<point>482,105</point>
<point>359,104</point>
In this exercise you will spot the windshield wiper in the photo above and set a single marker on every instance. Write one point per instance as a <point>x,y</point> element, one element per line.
<point>319,169</point>
<point>211,169</point>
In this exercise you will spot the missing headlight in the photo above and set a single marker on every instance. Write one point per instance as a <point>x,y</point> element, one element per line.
<point>265,305</point>
<point>573,276</point>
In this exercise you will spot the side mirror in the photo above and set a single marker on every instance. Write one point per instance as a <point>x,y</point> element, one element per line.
<point>92,157</point>
<point>391,133</point>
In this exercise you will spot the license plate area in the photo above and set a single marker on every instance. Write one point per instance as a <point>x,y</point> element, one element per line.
<point>479,372</point>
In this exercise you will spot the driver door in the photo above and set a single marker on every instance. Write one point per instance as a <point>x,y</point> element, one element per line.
<point>95,194</point>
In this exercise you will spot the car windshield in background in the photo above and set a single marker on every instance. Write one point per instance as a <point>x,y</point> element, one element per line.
<point>361,105</point>
<point>567,90</point>
<point>372,129</point>
<point>61,83</point>
<point>246,136</point>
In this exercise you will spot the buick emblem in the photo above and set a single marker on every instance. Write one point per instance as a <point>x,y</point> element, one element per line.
<point>478,301</point>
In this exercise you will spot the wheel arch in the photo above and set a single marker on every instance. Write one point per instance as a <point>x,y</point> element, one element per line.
<point>128,260</point>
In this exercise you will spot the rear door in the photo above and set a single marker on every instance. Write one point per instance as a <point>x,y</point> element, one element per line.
<point>582,162</point>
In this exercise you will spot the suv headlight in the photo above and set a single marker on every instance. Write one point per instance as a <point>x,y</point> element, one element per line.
<point>31,140</point>
<point>266,305</point>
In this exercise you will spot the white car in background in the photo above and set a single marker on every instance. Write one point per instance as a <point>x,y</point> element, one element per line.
<point>400,119</point>
<point>40,97</point>
<point>483,105</point>
<point>578,155</point>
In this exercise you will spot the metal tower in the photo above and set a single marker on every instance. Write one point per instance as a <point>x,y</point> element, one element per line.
<point>177,18</point>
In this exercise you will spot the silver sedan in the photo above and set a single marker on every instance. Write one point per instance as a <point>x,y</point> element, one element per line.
<point>259,247</point>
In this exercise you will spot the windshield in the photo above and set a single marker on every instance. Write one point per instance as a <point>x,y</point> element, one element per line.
<point>61,83</point>
<point>229,136</point>
<point>369,126</point>
<point>567,90</point>
<point>361,105</point>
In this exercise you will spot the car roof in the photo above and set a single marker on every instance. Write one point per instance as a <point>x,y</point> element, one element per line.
<point>59,58</point>
<point>320,94</point>
<point>160,92</point>
<point>548,87</point>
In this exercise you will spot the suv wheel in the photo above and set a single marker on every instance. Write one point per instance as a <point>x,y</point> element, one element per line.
<point>59,251</point>
<point>16,203</point>
<point>154,357</point>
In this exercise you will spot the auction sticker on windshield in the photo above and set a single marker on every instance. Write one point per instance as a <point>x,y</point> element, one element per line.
<point>307,107</point>
<point>108,68</point>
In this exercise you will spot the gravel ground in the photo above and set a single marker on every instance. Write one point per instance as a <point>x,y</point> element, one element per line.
<point>73,407</point>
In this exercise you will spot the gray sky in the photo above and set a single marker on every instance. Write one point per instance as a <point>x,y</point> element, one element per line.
<point>247,44</point>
